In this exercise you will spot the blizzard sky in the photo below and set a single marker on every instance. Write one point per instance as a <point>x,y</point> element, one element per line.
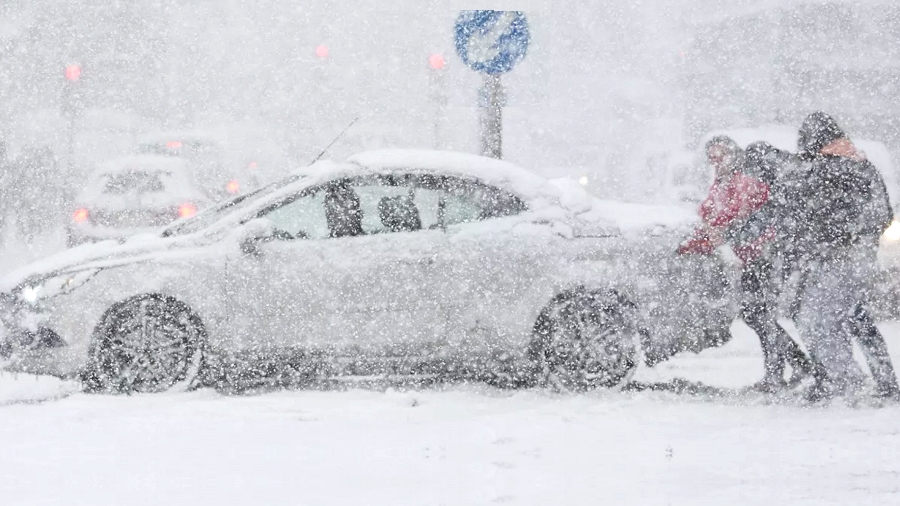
<point>598,92</point>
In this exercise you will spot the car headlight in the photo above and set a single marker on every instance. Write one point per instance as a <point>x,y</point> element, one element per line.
<point>893,232</point>
<point>46,288</point>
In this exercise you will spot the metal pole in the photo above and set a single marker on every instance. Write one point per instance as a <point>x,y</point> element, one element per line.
<point>492,117</point>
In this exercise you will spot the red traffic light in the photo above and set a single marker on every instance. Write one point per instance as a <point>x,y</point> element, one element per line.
<point>322,51</point>
<point>73,72</point>
<point>436,61</point>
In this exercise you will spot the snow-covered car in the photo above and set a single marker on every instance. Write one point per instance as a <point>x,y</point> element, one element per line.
<point>208,160</point>
<point>133,195</point>
<point>412,263</point>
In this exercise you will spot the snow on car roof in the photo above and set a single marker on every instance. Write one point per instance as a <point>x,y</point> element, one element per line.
<point>141,162</point>
<point>184,136</point>
<point>489,170</point>
<point>532,186</point>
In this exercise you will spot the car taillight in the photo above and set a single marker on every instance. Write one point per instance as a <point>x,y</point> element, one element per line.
<point>233,187</point>
<point>80,215</point>
<point>187,210</point>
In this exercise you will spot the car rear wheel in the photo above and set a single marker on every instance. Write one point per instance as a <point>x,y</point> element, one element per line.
<point>585,339</point>
<point>148,343</point>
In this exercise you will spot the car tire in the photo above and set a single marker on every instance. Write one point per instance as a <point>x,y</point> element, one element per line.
<point>585,339</point>
<point>145,344</point>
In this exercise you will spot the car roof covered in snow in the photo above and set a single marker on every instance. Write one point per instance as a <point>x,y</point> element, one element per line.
<point>488,170</point>
<point>481,167</point>
<point>201,136</point>
<point>148,163</point>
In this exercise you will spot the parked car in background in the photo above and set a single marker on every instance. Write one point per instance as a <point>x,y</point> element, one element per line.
<point>133,195</point>
<point>410,263</point>
<point>217,175</point>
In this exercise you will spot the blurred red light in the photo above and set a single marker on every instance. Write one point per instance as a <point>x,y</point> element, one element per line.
<point>187,210</point>
<point>173,145</point>
<point>73,72</point>
<point>232,187</point>
<point>252,165</point>
<point>80,215</point>
<point>322,51</point>
<point>436,61</point>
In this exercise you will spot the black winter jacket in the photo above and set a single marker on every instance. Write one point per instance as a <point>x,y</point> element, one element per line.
<point>830,203</point>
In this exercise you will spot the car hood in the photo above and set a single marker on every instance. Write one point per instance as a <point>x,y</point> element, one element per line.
<point>94,256</point>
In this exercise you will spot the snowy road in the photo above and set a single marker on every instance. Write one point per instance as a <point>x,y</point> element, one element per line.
<point>465,445</point>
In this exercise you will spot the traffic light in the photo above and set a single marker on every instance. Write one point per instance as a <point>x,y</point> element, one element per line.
<point>322,51</point>
<point>71,100</point>
<point>73,72</point>
<point>436,61</point>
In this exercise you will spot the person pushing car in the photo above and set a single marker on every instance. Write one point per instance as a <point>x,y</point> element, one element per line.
<point>838,209</point>
<point>738,211</point>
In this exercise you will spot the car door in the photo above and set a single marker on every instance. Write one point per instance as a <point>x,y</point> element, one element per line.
<point>500,263</point>
<point>345,277</point>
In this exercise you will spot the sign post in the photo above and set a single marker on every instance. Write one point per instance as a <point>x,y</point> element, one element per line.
<point>492,43</point>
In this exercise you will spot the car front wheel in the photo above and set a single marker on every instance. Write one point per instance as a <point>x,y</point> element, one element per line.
<point>585,339</point>
<point>148,343</point>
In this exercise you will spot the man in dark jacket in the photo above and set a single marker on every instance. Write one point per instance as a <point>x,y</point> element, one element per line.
<point>839,212</point>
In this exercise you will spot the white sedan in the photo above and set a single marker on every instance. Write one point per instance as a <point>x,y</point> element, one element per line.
<point>395,263</point>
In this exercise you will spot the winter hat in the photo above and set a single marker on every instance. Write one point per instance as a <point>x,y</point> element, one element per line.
<point>725,142</point>
<point>762,161</point>
<point>817,131</point>
<point>724,154</point>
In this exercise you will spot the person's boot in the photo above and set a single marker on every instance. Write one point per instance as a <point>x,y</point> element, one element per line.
<point>773,364</point>
<point>888,392</point>
<point>819,393</point>
<point>802,366</point>
<point>874,348</point>
<point>822,390</point>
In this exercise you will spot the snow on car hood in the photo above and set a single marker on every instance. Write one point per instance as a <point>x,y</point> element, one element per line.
<point>92,255</point>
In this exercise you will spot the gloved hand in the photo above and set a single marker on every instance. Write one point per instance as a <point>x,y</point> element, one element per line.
<point>696,246</point>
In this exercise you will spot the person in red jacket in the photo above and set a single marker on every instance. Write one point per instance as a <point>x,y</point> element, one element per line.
<point>735,213</point>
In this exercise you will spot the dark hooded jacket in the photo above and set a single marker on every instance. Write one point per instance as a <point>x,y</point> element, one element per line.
<point>835,198</point>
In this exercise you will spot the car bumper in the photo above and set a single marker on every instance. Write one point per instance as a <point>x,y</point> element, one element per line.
<point>29,344</point>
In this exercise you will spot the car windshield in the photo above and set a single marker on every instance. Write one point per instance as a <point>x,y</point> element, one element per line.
<point>133,181</point>
<point>213,214</point>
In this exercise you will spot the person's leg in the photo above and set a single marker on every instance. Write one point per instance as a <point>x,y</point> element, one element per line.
<point>757,312</point>
<point>828,301</point>
<point>874,348</point>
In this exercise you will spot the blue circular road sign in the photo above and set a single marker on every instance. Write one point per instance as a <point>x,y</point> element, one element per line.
<point>492,42</point>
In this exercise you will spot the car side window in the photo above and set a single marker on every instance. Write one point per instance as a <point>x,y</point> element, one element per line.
<point>389,203</point>
<point>461,209</point>
<point>356,206</point>
<point>303,217</point>
<point>465,200</point>
<point>394,204</point>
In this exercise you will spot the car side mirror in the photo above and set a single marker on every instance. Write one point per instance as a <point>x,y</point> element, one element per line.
<point>254,232</point>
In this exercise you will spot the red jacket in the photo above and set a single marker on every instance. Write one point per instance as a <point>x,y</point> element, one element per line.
<point>730,202</point>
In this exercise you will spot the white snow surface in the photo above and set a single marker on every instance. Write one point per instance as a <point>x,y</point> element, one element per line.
<point>457,445</point>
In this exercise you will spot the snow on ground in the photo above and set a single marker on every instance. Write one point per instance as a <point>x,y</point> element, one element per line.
<point>458,445</point>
